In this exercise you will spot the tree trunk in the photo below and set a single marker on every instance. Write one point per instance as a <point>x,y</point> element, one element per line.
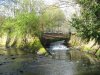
<point>7,41</point>
<point>8,38</point>
<point>15,42</point>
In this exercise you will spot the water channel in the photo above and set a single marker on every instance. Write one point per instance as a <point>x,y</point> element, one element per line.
<point>45,65</point>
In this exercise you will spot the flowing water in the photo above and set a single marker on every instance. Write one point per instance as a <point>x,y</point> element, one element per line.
<point>41,65</point>
<point>26,65</point>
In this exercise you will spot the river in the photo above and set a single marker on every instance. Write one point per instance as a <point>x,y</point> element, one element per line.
<point>41,65</point>
<point>28,64</point>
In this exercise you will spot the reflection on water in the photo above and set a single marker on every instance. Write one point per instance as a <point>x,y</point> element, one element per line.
<point>90,69</point>
<point>26,65</point>
<point>11,51</point>
<point>58,64</point>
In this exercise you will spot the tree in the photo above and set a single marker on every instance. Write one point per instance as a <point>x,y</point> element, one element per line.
<point>24,24</point>
<point>2,19</point>
<point>52,18</point>
<point>88,24</point>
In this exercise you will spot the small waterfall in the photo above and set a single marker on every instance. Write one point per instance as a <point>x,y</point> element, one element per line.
<point>58,50</point>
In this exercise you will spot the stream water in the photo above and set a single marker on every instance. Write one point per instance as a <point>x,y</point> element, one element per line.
<point>26,65</point>
<point>41,65</point>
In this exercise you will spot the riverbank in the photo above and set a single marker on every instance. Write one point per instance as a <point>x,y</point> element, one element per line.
<point>90,47</point>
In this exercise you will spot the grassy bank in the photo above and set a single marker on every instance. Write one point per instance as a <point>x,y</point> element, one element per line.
<point>32,46</point>
<point>89,47</point>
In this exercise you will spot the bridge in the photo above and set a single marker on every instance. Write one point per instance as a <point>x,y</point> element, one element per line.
<point>55,33</point>
<point>48,38</point>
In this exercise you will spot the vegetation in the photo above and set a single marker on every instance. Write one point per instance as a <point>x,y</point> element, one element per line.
<point>30,20</point>
<point>28,23</point>
<point>52,18</point>
<point>2,19</point>
<point>88,24</point>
